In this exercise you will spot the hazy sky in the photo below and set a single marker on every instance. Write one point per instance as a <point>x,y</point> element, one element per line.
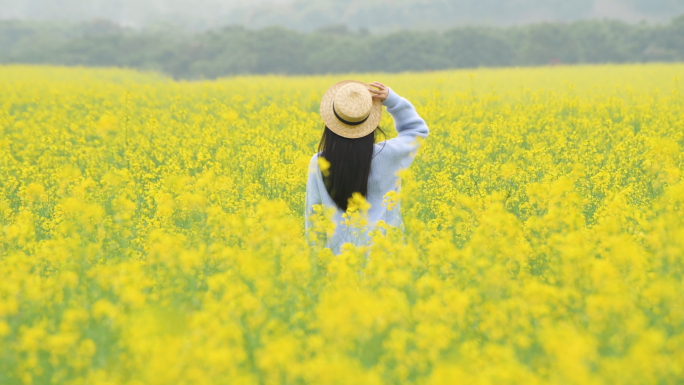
<point>312,14</point>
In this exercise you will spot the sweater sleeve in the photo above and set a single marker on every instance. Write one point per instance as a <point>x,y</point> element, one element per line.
<point>411,128</point>
<point>313,196</point>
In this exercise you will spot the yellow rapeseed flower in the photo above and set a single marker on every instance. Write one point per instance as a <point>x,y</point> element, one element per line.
<point>151,232</point>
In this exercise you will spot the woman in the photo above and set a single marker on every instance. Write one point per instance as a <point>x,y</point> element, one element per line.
<point>350,162</point>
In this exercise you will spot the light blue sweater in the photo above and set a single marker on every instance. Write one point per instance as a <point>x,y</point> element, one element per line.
<point>389,157</point>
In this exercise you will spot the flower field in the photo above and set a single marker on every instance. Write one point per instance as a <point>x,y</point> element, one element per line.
<point>152,232</point>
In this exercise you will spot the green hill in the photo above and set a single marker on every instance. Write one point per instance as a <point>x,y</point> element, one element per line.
<point>276,50</point>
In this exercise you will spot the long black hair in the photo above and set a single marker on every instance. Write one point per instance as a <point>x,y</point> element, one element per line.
<point>350,164</point>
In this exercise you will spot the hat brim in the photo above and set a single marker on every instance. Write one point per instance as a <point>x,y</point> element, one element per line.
<point>345,130</point>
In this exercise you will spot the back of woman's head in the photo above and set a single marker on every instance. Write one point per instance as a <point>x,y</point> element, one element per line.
<point>350,165</point>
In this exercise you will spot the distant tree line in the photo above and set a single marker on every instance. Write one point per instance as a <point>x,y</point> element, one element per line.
<point>273,50</point>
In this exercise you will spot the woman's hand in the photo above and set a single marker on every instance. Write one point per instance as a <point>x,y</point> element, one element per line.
<point>381,93</point>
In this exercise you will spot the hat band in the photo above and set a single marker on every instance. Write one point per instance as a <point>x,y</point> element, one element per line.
<point>347,122</point>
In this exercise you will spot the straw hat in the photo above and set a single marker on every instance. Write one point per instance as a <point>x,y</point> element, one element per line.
<point>349,110</point>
